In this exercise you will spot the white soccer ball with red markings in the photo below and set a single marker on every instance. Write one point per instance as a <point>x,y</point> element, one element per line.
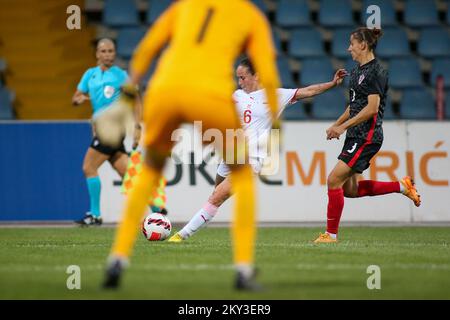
<point>156,227</point>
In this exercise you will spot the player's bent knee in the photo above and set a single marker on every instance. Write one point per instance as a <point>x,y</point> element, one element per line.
<point>155,159</point>
<point>89,170</point>
<point>350,193</point>
<point>332,181</point>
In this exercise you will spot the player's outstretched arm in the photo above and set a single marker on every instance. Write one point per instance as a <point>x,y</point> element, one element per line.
<point>319,88</point>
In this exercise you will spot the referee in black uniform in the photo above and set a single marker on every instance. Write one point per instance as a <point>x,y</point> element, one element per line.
<point>362,120</point>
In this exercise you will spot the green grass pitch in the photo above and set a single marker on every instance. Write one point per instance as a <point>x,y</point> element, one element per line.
<point>414,264</point>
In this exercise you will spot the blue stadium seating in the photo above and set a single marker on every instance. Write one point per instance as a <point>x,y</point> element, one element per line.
<point>329,105</point>
<point>316,70</point>
<point>155,8</point>
<point>394,43</point>
<point>434,42</point>
<point>295,112</point>
<point>447,104</point>
<point>293,13</point>
<point>127,40</point>
<point>420,13</point>
<point>120,13</point>
<point>149,73</point>
<point>417,104</point>
<point>441,67</point>
<point>334,13</point>
<point>277,41</point>
<point>389,113</point>
<point>287,80</point>
<point>340,42</point>
<point>6,109</point>
<point>405,73</point>
<point>448,13</point>
<point>306,42</point>
<point>261,4</point>
<point>350,64</point>
<point>388,14</point>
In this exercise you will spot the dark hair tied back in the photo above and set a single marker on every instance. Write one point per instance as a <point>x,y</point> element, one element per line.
<point>248,64</point>
<point>370,36</point>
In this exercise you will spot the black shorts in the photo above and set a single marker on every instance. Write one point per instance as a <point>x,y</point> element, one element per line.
<point>357,153</point>
<point>97,145</point>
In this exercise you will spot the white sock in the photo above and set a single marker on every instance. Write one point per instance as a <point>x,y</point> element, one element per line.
<point>124,262</point>
<point>332,235</point>
<point>200,219</point>
<point>245,269</point>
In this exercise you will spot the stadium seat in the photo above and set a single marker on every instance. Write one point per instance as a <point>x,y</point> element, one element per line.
<point>261,4</point>
<point>394,43</point>
<point>277,41</point>
<point>306,42</point>
<point>149,72</point>
<point>6,108</point>
<point>434,42</point>
<point>448,13</point>
<point>350,64</point>
<point>389,113</point>
<point>388,14</point>
<point>405,73</point>
<point>441,66</point>
<point>127,40</point>
<point>329,105</point>
<point>447,104</point>
<point>420,13</point>
<point>293,13</point>
<point>155,8</point>
<point>287,80</point>
<point>120,13</point>
<point>340,42</point>
<point>315,70</point>
<point>334,13</point>
<point>417,104</point>
<point>295,112</point>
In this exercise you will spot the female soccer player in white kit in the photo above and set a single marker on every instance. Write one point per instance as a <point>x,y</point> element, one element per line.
<point>251,104</point>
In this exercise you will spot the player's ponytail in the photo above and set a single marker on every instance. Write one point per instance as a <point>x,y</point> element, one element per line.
<point>370,36</point>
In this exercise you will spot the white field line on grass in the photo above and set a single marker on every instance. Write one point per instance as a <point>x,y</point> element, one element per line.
<point>202,267</point>
<point>271,224</point>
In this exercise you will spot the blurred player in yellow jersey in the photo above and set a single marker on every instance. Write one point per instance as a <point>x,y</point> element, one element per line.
<point>194,82</point>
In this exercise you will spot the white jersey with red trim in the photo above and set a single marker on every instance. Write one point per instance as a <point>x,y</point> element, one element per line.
<point>255,116</point>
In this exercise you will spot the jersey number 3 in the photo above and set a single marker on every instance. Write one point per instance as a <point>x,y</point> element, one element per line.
<point>201,33</point>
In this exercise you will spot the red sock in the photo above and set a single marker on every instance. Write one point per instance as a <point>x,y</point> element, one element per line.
<point>376,188</point>
<point>335,207</point>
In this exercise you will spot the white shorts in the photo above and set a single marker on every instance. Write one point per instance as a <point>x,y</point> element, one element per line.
<point>223,169</point>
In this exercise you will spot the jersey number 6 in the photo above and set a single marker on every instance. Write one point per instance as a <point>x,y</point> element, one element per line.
<point>247,116</point>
